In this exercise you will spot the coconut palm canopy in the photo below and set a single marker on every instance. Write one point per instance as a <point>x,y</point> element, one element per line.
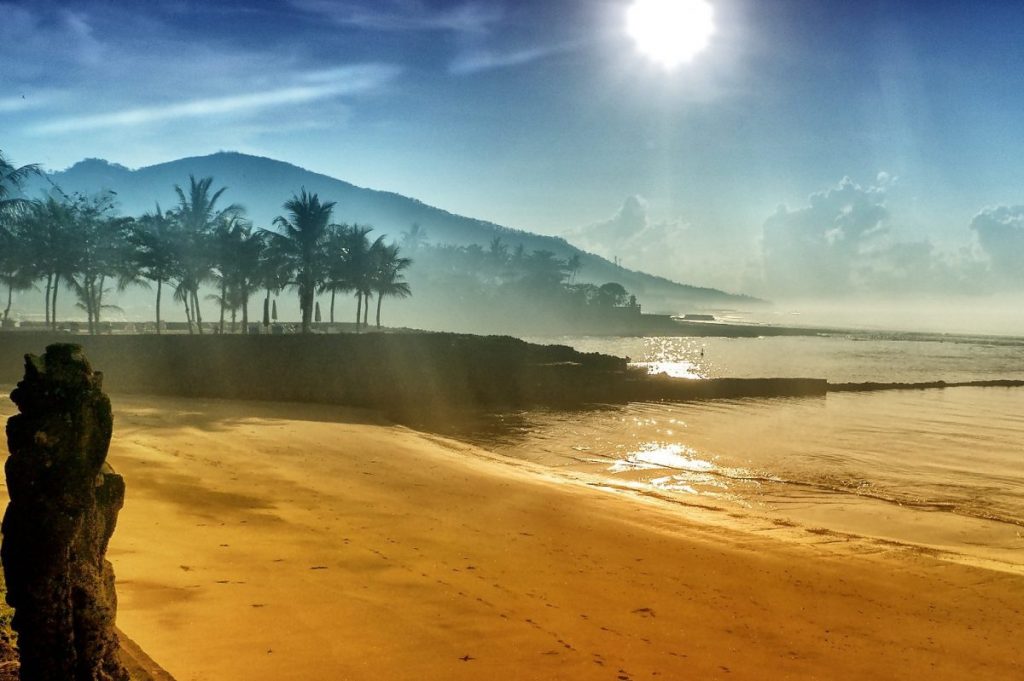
<point>80,243</point>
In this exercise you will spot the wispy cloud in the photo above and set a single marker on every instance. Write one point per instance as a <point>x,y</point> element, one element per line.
<point>486,60</point>
<point>32,37</point>
<point>311,87</point>
<point>408,15</point>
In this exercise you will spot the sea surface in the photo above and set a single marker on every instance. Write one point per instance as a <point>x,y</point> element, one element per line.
<point>941,470</point>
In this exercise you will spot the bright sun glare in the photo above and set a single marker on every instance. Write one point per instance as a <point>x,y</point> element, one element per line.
<point>670,32</point>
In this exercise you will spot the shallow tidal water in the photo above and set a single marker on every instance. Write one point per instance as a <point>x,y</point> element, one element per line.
<point>933,468</point>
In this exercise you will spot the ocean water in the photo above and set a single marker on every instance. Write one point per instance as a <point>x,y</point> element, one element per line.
<point>941,469</point>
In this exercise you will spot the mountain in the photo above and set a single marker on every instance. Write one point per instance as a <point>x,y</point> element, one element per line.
<point>261,185</point>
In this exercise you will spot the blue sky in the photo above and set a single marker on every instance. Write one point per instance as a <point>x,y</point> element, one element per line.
<point>544,116</point>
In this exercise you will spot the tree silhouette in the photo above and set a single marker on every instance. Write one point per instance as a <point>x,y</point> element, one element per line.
<point>305,230</point>
<point>100,243</point>
<point>413,238</point>
<point>155,245</point>
<point>611,294</point>
<point>16,270</point>
<point>339,275</point>
<point>197,215</point>
<point>358,266</point>
<point>11,179</point>
<point>238,250</point>
<point>387,279</point>
<point>274,272</point>
<point>47,231</point>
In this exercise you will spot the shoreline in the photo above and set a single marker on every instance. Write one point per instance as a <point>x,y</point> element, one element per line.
<point>273,540</point>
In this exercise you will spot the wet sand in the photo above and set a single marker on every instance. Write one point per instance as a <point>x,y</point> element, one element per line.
<point>278,541</point>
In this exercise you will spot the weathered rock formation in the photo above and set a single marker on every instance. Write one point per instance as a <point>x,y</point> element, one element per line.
<point>64,501</point>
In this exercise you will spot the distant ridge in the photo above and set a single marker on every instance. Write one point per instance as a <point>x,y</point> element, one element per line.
<point>261,185</point>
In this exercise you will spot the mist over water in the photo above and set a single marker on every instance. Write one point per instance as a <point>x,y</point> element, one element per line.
<point>842,358</point>
<point>966,315</point>
<point>939,468</point>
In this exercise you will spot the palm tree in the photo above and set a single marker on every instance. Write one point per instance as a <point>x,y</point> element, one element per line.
<point>154,243</point>
<point>305,231</point>
<point>47,232</point>
<point>195,267</point>
<point>16,272</point>
<point>273,273</point>
<point>387,278</point>
<point>239,250</point>
<point>366,274</point>
<point>573,264</point>
<point>338,277</point>
<point>16,267</point>
<point>414,237</point>
<point>101,243</point>
<point>359,267</point>
<point>11,179</point>
<point>498,251</point>
<point>197,214</point>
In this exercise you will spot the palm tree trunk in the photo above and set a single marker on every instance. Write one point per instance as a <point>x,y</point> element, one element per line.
<point>10,296</point>
<point>188,313</point>
<point>234,321</point>
<point>366,311</point>
<point>245,310</point>
<point>49,286</point>
<point>223,303</point>
<point>99,301</point>
<point>332,305</point>
<point>307,311</point>
<point>53,315</point>
<point>90,308</point>
<point>196,311</point>
<point>89,301</point>
<point>380,299</point>
<point>159,291</point>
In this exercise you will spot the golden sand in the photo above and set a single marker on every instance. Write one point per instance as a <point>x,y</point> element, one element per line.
<point>279,541</point>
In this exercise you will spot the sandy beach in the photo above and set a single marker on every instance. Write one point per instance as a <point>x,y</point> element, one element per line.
<point>281,541</point>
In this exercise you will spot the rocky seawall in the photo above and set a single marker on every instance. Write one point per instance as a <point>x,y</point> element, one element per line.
<point>415,373</point>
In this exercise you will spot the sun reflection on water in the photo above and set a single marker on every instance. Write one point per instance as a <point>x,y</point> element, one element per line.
<point>674,369</point>
<point>656,455</point>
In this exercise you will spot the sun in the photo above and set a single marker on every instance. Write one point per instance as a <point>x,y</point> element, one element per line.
<point>670,32</point>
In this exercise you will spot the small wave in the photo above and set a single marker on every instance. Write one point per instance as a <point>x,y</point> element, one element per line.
<point>700,472</point>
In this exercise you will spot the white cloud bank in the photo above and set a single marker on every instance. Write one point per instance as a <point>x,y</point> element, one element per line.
<point>847,242</point>
<point>1000,234</point>
<point>675,249</point>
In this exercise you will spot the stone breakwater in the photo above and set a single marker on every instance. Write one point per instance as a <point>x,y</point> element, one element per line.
<point>420,374</point>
